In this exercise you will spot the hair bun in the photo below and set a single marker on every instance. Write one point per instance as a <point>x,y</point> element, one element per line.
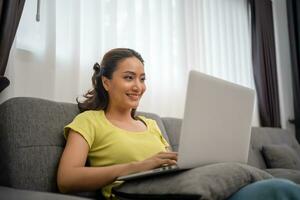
<point>96,67</point>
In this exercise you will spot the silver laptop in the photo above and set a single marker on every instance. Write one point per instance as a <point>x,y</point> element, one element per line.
<point>216,126</point>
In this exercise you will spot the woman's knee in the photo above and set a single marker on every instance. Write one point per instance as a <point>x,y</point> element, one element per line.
<point>269,189</point>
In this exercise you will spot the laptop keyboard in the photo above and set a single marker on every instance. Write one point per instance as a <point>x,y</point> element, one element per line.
<point>164,168</point>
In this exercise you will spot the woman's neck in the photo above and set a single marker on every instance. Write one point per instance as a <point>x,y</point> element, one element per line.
<point>118,114</point>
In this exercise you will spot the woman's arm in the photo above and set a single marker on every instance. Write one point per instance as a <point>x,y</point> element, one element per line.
<point>73,176</point>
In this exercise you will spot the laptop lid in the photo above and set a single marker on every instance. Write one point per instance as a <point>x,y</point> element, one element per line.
<point>216,125</point>
<point>217,122</point>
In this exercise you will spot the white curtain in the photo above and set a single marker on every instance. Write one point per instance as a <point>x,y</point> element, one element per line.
<point>53,58</point>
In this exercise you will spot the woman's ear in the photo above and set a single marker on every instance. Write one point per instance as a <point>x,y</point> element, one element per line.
<point>105,82</point>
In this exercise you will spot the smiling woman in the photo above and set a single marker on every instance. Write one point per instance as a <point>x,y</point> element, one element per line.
<point>120,69</point>
<point>127,85</point>
<point>116,142</point>
<point>107,132</point>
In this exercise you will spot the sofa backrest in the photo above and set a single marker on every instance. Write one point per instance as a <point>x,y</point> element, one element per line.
<point>266,136</point>
<point>173,128</point>
<point>260,136</point>
<point>31,141</point>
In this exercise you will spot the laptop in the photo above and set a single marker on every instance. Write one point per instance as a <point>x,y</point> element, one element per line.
<point>216,126</point>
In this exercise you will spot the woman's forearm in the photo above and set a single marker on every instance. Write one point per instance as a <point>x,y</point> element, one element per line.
<point>78,179</point>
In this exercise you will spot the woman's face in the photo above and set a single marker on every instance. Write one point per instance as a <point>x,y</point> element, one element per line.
<point>127,85</point>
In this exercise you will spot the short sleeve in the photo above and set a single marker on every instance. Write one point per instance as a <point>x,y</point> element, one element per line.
<point>83,125</point>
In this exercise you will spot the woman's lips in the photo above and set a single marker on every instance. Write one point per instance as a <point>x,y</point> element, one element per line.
<point>134,97</point>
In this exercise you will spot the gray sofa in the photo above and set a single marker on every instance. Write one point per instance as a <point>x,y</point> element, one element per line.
<point>31,142</point>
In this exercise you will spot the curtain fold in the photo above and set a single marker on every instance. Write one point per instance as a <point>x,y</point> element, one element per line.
<point>293,7</point>
<point>10,14</point>
<point>264,62</point>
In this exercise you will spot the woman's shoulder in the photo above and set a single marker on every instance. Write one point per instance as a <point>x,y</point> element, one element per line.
<point>90,114</point>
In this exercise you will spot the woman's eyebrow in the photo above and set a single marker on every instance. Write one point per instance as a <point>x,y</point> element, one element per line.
<point>133,73</point>
<point>129,72</point>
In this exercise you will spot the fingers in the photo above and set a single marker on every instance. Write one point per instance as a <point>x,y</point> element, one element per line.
<point>167,155</point>
<point>166,158</point>
<point>158,160</point>
<point>168,162</point>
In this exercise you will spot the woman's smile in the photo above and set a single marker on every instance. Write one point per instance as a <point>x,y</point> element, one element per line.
<point>134,96</point>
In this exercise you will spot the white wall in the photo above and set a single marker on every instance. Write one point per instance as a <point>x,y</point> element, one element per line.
<point>283,60</point>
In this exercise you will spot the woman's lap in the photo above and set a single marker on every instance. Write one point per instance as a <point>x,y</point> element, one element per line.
<point>270,189</point>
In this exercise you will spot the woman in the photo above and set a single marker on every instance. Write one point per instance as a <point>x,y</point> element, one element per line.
<point>108,133</point>
<point>115,141</point>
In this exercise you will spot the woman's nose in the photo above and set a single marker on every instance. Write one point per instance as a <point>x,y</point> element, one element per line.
<point>137,86</point>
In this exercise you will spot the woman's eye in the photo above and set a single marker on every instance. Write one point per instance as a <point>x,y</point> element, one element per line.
<point>128,77</point>
<point>143,79</point>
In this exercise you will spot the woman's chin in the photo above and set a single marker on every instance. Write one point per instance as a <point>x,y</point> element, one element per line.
<point>134,105</point>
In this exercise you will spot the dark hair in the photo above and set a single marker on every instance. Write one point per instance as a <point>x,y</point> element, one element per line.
<point>97,98</point>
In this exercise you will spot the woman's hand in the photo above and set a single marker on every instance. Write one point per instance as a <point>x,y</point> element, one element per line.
<point>158,160</point>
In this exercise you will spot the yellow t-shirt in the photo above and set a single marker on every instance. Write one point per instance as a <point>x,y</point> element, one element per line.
<point>110,145</point>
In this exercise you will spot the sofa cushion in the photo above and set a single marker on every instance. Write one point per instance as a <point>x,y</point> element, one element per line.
<point>216,181</point>
<point>280,156</point>
<point>262,136</point>
<point>16,194</point>
<point>290,174</point>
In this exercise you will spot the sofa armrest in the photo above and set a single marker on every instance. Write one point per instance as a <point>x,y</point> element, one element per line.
<point>290,174</point>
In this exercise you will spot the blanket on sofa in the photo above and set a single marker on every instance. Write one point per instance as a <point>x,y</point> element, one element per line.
<point>215,181</point>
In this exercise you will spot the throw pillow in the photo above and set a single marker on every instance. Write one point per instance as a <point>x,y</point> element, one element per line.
<point>215,181</point>
<point>280,156</point>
